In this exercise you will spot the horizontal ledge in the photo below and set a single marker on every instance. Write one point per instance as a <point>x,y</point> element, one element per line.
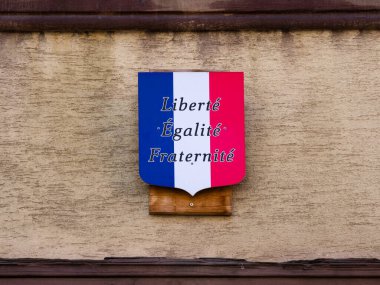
<point>184,6</point>
<point>189,22</point>
<point>202,267</point>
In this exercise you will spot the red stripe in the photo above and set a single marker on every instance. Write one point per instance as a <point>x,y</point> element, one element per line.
<point>229,86</point>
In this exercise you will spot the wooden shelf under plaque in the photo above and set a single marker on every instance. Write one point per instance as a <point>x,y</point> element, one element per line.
<point>209,202</point>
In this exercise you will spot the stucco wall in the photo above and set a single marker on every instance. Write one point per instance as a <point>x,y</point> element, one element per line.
<point>69,184</point>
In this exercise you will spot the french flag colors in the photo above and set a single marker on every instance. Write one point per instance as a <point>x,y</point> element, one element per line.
<point>191,129</point>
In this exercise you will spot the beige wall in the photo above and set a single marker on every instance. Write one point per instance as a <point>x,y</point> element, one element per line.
<point>69,184</point>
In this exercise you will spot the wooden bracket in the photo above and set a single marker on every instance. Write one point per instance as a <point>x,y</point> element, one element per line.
<point>171,201</point>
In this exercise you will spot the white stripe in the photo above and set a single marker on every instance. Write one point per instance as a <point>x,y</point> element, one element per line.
<point>194,87</point>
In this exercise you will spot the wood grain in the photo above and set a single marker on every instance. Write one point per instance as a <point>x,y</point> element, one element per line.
<point>69,184</point>
<point>189,22</point>
<point>118,6</point>
<point>184,271</point>
<point>210,202</point>
<point>183,15</point>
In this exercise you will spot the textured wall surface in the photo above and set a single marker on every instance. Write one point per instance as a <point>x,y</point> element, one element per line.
<point>69,184</point>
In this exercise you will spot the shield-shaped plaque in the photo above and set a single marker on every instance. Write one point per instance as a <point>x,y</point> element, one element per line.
<point>191,129</point>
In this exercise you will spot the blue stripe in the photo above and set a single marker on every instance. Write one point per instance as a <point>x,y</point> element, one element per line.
<point>153,86</point>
